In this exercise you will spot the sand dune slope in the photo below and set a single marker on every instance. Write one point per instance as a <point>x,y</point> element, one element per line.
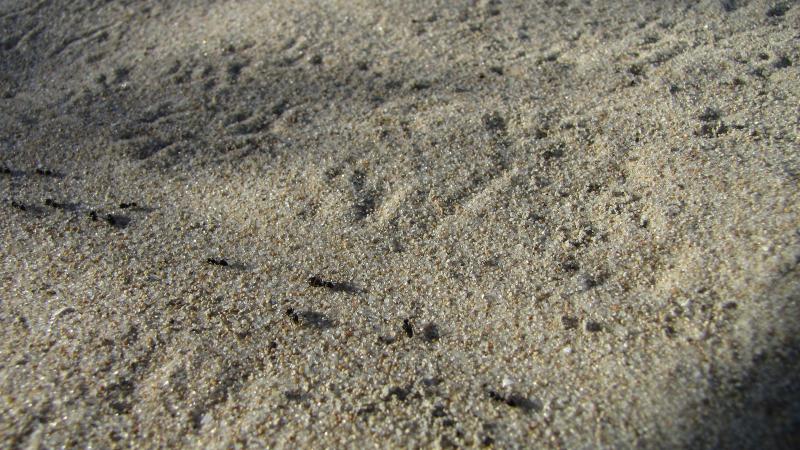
<point>550,224</point>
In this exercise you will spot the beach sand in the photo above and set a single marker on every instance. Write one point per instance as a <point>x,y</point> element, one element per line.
<point>323,224</point>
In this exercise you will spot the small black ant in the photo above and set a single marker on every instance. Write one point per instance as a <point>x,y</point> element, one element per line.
<point>316,281</point>
<point>217,262</point>
<point>408,328</point>
<point>54,204</point>
<point>45,172</point>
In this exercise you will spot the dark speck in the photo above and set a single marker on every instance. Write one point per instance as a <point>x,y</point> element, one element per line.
<point>54,204</point>
<point>217,262</point>
<point>586,282</point>
<point>569,322</point>
<point>524,403</point>
<point>280,107</point>
<point>515,401</point>
<point>316,60</point>
<point>18,205</point>
<point>93,216</point>
<point>295,395</point>
<point>430,382</point>
<point>407,328</point>
<point>420,85</point>
<point>290,313</point>
<point>317,281</point>
<point>439,411</point>
<point>369,409</point>
<point>386,339</point>
<point>397,392</point>
<point>128,205</point>
<point>496,69</point>
<point>46,172</point>
<point>778,10</point>
<point>709,115</point>
<point>494,122</point>
<point>235,69</point>
<point>554,151</point>
<point>569,266</point>
<point>636,70</point>
<point>712,129</point>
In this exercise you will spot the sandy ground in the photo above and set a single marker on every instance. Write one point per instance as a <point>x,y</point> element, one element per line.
<point>566,224</point>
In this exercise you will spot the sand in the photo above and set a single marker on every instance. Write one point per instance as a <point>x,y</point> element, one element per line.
<point>327,224</point>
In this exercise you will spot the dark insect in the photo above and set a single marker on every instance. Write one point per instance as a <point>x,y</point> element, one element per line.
<point>409,330</point>
<point>398,393</point>
<point>93,216</point>
<point>54,204</point>
<point>515,401</point>
<point>45,172</point>
<point>18,205</point>
<point>569,322</point>
<point>128,205</point>
<point>290,312</point>
<point>316,281</point>
<point>494,122</point>
<point>217,262</point>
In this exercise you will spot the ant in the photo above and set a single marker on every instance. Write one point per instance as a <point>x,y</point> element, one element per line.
<point>316,281</point>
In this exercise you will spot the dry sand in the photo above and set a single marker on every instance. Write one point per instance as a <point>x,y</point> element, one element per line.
<point>567,224</point>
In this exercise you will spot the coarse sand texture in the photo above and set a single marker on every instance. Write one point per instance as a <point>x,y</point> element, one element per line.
<point>399,224</point>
